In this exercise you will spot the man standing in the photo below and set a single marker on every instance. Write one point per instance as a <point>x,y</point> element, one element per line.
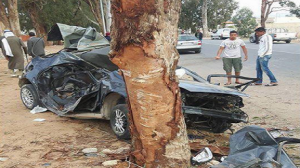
<point>232,55</point>
<point>15,62</point>
<point>200,35</point>
<point>35,45</point>
<point>264,55</point>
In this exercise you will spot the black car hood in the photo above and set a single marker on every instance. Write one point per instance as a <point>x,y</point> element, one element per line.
<point>194,86</point>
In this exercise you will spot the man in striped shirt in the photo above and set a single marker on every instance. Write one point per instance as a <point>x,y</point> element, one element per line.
<point>264,55</point>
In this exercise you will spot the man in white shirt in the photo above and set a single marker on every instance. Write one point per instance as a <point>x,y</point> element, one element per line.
<point>264,55</point>
<point>232,55</point>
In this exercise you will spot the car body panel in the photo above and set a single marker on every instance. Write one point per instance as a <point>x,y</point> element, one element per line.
<point>222,33</point>
<point>278,34</point>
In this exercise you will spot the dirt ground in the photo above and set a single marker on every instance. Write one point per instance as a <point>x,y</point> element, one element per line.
<point>58,141</point>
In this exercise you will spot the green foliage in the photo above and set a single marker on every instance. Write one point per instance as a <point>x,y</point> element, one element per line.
<point>296,11</point>
<point>217,13</point>
<point>55,11</point>
<point>245,22</point>
<point>220,11</point>
<point>190,14</point>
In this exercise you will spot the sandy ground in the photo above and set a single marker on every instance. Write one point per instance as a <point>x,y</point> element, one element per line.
<point>58,141</point>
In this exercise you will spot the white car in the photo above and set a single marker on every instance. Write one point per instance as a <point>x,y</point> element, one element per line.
<point>221,34</point>
<point>187,42</point>
<point>278,34</point>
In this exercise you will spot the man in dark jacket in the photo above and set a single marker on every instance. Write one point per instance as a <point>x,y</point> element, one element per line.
<point>35,45</point>
<point>199,34</point>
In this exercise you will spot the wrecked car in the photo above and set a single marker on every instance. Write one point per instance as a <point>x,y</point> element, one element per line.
<point>80,81</point>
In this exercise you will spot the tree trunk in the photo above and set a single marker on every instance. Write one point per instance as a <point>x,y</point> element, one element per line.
<point>95,8</point>
<point>4,23</point>
<point>265,11</point>
<point>107,11</point>
<point>144,38</point>
<point>14,17</point>
<point>204,19</point>
<point>39,27</point>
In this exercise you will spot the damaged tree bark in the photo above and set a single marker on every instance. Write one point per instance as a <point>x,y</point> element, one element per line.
<point>144,38</point>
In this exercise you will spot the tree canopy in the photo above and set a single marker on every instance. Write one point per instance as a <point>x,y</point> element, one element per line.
<point>54,11</point>
<point>244,21</point>
<point>218,12</point>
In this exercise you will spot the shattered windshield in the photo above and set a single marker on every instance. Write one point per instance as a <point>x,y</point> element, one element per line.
<point>76,37</point>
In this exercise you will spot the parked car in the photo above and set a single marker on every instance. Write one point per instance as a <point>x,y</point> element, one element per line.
<point>187,42</point>
<point>86,84</point>
<point>221,34</point>
<point>278,34</point>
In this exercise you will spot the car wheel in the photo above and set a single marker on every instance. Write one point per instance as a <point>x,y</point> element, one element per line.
<point>119,121</point>
<point>198,51</point>
<point>288,41</point>
<point>29,96</point>
<point>212,38</point>
<point>252,40</point>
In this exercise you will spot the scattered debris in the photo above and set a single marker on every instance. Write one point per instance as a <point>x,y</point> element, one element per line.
<point>253,146</point>
<point>39,119</point>
<point>219,150</point>
<point>38,109</point>
<point>46,164</point>
<point>203,156</point>
<point>3,159</point>
<point>90,150</point>
<point>117,151</point>
<point>120,153</point>
<point>110,163</point>
<point>213,162</point>
<point>91,154</point>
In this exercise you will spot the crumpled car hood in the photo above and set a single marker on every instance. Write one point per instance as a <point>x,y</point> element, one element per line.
<point>194,86</point>
<point>76,37</point>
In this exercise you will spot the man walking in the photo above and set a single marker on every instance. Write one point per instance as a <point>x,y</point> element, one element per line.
<point>232,55</point>
<point>35,45</point>
<point>264,55</point>
<point>16,61</point>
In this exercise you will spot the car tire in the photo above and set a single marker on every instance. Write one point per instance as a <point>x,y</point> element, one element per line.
<point>212,38</point>
<point>198,51</point>
<point>29,96</point>
<point>119,121</point>
<point>288,41</point>
<point>251,39</point>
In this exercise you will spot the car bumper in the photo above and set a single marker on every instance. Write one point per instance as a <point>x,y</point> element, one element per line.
<point>234,117</point>
<point>283,39</point>
<point>189,48</point>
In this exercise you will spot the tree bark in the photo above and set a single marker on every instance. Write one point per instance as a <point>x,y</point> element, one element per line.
<point>107,11</point>
<point>95,8</point>
<point>144,38</point>
<point>13,16</point>
<point>40,29</point>
<point>4,23</point>
<point>265,11</point>
<point>204,19</point>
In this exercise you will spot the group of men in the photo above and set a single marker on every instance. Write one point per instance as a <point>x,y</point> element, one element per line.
<point>232,56</point>
<point>13,50</point>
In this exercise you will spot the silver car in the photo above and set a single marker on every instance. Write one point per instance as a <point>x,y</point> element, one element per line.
<point>187,42</point>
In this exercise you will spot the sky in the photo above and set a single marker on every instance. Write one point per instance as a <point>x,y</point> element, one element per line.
<point>254,5</point>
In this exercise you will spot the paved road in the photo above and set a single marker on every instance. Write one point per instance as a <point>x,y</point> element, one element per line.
<point>285,62</point>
